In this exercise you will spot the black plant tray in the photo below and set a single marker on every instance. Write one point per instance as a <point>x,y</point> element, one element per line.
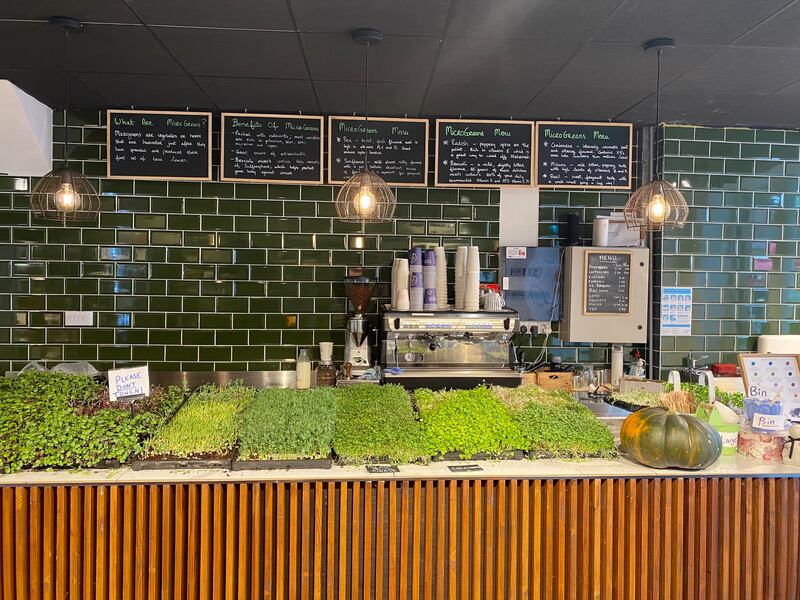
<point>289,463</point>
<point>169,463</point>
<point>109,464</point>
<point>625,405</point>
<point>512,455</point>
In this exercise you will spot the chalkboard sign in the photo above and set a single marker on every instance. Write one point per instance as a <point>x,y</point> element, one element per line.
<point>484,153</point>
<point>397,149</point>
<point>583,155</point>
<point>607,281</point>
<point>158,145</point>
<point>271,148</point>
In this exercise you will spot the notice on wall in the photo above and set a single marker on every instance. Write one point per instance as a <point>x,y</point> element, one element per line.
<point>607,281</point>
<point>271,148</point>
<point>584,155</point>
<point>130,382</point>
<point>676,311</point>
<point>395,149</point>
<point>158,145</point>
<point>484,153</point>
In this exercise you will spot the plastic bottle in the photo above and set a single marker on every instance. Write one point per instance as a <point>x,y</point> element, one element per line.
<point>303,370</point>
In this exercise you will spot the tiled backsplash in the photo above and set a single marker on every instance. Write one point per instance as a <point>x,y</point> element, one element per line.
<point>188,276</point>
<point>739,247</point>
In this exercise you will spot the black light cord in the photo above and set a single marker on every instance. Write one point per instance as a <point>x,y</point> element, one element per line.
<point>366,105</point>
<point>66,95</point>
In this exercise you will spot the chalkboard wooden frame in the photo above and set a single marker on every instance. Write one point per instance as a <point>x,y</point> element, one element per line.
<point>586,187</point>
<point>585,302</point>
<point>436,181</point>
<point>112,111</point>
<point>380,119</point>
<point>222,175</point>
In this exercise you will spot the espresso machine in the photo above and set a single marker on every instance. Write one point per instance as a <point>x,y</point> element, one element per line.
<point>449,348</point>
<point>357,349</point>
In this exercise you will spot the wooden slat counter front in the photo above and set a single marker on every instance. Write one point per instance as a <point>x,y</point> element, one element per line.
<point>518,529</point>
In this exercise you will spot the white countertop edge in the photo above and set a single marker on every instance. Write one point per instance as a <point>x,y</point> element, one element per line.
<point>727,466</point>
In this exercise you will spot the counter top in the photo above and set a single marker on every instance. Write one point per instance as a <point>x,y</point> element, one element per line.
<point>727,466</point>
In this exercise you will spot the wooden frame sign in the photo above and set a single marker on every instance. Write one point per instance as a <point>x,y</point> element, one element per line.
<point>607,283</point>
<point>481,153</point>
<point>269,148</point>
<point>158,144</point>
<point>589,155</point>
<point>397,149</point>
<point>773,377</point>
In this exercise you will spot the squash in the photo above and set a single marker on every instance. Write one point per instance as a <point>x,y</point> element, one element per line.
<point>662,439</point>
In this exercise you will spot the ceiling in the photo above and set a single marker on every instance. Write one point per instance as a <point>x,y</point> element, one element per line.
<point>737,61</point>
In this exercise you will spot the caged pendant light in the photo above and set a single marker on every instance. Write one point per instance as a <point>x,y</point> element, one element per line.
<point>365,197</point>
<point>657,205</point>
<point>64,194</point>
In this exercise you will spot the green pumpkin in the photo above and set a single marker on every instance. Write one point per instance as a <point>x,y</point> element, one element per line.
<point>658,438</point>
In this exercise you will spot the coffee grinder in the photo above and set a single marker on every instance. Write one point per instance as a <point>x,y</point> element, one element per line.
<point>357,349</point>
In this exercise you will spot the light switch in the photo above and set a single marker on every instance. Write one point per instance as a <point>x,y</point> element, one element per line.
<point>78,318</point>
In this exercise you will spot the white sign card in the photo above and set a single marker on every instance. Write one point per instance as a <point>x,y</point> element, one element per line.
<point>773,377</point>
<point>676,311</point>
<point>132,381</point>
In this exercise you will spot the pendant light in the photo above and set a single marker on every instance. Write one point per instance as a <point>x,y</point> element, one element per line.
<point>365,197</point>
<point>657,205</point>
<point>64,194</point>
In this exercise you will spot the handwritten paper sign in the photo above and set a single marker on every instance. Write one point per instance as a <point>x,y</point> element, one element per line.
<point>132,381</point>
<point>773,377</point>
<point>768,422</point>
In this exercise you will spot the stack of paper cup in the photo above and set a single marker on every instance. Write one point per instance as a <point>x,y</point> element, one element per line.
<point>461,273</point>
<point>472,279</point>
<point>441,278</point>
<point>416,289</point>
<point>401,298</point>
<point>429,280</point>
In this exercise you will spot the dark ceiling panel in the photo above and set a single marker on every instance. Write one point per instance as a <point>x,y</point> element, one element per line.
<point>780,30</point>
<point>626,65</point>
<point>112,48</point>
<point>385,99</point>
<point>581,103</point>
<point>413,17</point>
<point>501,61</point>
<point>147,91</point>
<point>98,11</point>
<point>397,58</point>
<point>245,14</point>
<point>561,19</point>
<point>261,95</point>
<point>49,89</point>
<point>776,110</point>
<point>749,70</point>
<point>235,53</point>
<point>701,107</point>
<point>453,100</point>
<point>702,22</point>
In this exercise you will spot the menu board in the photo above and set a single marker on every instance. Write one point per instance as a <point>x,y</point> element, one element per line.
<point>271,148</point>
<point>397,149</point>
<point>484,153</point>
<point>607,283</point>
<point>583,155</point>
<point>158,145</point>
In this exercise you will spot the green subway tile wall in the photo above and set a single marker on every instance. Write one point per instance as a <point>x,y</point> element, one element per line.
<point>217,275</point>
<point>739,248</point>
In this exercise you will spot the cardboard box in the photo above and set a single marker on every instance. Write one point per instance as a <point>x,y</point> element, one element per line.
<point>549,380</point>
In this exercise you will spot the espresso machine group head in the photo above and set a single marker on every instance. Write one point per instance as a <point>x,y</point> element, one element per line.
<point>357,349</point>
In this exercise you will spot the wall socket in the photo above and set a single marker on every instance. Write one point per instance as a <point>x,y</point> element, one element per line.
<point>538,327</point>
<point>78,318</point>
